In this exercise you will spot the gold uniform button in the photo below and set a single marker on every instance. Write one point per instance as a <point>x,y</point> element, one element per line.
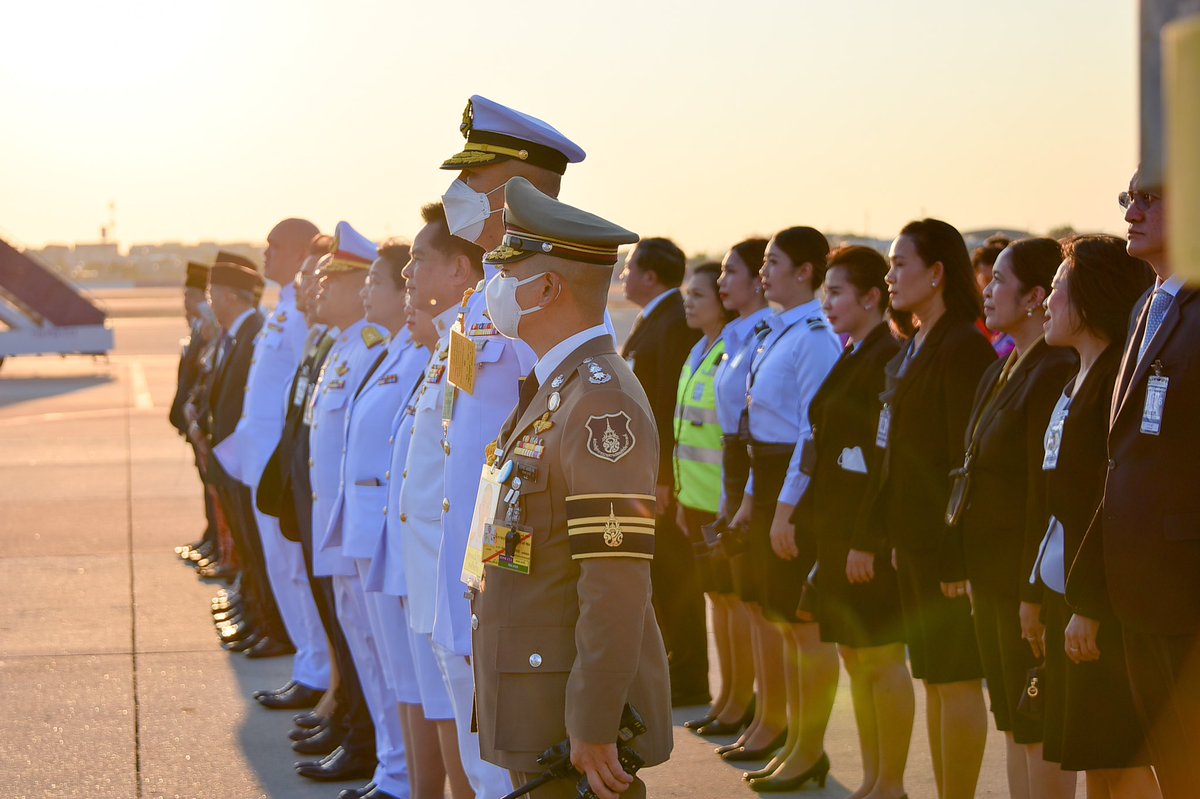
<point>445,446</point>
<point>391,439</point>
<point>311,463</point>
<point>387,475</point>
<point>385,510</point>
<point>403,517</point>
<point>474,622</point>
<point>535,660</point>
<point>446,505</point>
<point>404,474</point>
<point>314,496</point>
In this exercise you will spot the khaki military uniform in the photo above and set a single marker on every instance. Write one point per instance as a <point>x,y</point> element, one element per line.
<point>561,649</point>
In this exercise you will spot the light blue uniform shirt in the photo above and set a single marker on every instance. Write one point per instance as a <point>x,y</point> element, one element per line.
<point>734,368</point>
<point>787,369</point>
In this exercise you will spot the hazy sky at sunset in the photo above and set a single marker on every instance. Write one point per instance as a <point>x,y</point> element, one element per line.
<point>705,121</point>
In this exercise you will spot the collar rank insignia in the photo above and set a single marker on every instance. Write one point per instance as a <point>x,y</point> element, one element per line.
<point>610,437</point>
<point>273,326</point>
<point>613,537</point>
<point>281,317</point>
<point>342,369</point>
<point>371,337</point>
<point>598,375</point>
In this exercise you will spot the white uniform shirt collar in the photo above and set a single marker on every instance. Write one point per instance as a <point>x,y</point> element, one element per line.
<point>548,363</point>
<point>1171,285</point>
<point>443,321</point>
<point>241,320</point>
<point>287,294</point>
<point>738,331</point>
<point>782,320</point>
<point>654,303</point>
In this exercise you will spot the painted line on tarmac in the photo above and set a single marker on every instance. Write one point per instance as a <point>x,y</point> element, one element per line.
<point>63,416</point>
<point>141,389</point>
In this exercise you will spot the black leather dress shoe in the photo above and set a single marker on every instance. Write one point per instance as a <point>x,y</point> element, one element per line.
<point>695,724</point>
<point>231,616</point>
<point>377,793</point>
<point>717,727</point>
<point>339,766</point>
<point>268,647</point>
<point>216,571</point>
<point>242,644</point>
<point>233,631</point>
<point>298,697</point>
<point>287,686</point>
<point>309,719</point>
<point>304,733</point>
<point>323,743</point>
<point>357,793</point>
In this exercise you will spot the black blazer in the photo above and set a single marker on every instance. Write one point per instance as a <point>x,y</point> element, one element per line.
<point>229,382</point>
<point>929,406</point>
<point>844,414</point>
<point>186,377</point>
<point>1004,520</point>
<point>1074,487</point>
<point>656,349</point>
<point>277,471</point>
<point>1144,542</point>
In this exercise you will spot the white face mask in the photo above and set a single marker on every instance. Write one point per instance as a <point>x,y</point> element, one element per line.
<point>467,210</point>
<point>502,305</point>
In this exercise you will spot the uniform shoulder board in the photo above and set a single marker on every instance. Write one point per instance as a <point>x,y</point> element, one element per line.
<point>815,323</point>
<point>371,337</point>
<point>594,373</point>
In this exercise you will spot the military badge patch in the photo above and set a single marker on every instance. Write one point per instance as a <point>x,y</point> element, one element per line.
<point>609,436</point>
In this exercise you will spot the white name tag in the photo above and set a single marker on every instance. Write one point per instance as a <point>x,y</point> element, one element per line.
<point>301,390</point>
<point>1156,397</point>
<point>885,425</point>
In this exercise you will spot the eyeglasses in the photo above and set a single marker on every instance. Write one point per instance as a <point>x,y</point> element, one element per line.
<point>1142,199</point>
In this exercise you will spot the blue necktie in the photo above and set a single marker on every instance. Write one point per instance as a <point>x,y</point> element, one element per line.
<point>1159,304</point>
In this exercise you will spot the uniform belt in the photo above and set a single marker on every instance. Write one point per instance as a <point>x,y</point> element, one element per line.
<point>759,449</point>
<point>733,440</point>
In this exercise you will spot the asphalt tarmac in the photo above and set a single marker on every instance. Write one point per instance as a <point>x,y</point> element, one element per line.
<point>111,679</point>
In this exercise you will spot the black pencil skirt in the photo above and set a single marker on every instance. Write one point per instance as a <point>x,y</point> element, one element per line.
<point>776,584</point>
<point>1091,722</point>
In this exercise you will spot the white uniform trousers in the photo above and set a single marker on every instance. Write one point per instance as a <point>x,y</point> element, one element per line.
<point>391,774</point>
<point>435,699</point>
<point>488,780</point>
<point>289,583</point>
<point>389,624</point>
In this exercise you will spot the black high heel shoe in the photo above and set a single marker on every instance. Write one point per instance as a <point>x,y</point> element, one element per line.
<point>742,753</point>
<point>695,724</point>
<point>716,727</point>
<point>818,772</point>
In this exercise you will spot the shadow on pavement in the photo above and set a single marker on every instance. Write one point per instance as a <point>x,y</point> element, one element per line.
<point>14,390</point>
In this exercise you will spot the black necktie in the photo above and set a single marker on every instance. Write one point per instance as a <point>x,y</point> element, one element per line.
<point>529,389</point>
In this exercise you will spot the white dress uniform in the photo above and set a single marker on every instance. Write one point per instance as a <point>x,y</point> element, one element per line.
<point>356,351</point>
<point>421,501</point>
<point>278,350</point>
<point>477,417</point>
<point>387,569</point>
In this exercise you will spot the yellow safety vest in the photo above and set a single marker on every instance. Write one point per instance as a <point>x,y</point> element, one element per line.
<point>698,434</point>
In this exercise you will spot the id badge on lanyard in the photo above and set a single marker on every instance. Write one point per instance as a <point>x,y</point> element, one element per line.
<point>1156,398</point>
<point>885,426</point>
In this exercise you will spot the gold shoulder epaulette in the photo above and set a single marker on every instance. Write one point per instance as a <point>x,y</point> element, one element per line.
<point>371,337</point>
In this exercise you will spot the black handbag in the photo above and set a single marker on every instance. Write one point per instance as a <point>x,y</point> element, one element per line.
<point>1032,704</point>
<point>960,490</point>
